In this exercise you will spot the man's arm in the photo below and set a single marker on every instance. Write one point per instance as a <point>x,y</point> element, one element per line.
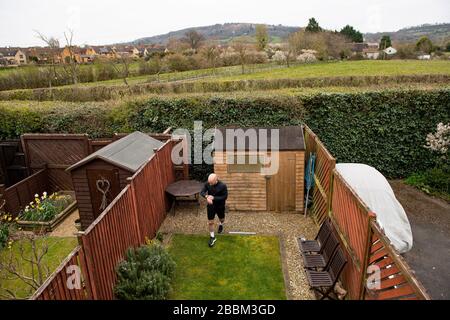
<point>222,195</point>
<point>204,190</point>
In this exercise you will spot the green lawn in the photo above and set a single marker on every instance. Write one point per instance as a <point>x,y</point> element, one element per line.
<point>59,248</point>
<point>237,267</point>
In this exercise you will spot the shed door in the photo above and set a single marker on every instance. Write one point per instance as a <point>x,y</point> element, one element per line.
<point>104,186</point>
<point>281,186</point>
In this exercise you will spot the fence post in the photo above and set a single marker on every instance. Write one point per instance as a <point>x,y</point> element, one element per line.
<point>135,209</point>
<point>365,263</point>
<point>330,192</point>
<point>89,267</point>
<point>2,193</point>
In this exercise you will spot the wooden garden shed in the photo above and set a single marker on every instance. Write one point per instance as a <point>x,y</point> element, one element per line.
<point>251,187</point>
<point>99,178</point>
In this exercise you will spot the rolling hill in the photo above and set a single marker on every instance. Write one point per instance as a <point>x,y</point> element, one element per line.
<point>438,33</point>
<point>221,33</point>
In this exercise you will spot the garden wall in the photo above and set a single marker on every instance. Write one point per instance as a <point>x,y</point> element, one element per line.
<point>384,129</point>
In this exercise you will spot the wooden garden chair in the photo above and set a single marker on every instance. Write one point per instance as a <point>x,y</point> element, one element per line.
<point>315,261</point>
<point>323,282</point>
<point>319,241</point>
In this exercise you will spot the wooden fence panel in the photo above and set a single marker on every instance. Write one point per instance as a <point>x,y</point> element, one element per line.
<point>149,185</point>
<point>18,196</point>
<point>106,241</point>
<point>397,281</point>
<point>56,286</point>
<point>351,218</point>
<point>58,152</point>
<point>325,163</point>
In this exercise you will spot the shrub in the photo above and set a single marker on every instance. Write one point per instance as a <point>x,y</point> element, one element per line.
<point>385,129</point>
<point>6,228</point>
<point>145,274</point>
<point>435,181</point>
<point>177,62</point>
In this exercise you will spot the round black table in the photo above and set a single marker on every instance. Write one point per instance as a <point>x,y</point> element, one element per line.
<point>184,189</point>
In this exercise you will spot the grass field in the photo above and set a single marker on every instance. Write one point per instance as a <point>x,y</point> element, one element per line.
<point>351,68</point>
<point>59,248</point>
<point>320,69</point>
<point>237,267</point>
<point>272,71</point>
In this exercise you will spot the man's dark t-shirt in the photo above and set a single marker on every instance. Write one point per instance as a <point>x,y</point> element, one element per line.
<point>218,191</point>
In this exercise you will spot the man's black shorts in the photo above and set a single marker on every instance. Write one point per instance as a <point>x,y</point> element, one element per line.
<point>213,210</point>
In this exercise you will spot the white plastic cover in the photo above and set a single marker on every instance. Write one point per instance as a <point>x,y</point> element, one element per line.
<point>373,188</point>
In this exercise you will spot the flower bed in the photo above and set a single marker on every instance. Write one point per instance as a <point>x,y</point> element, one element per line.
<point>45,213</point>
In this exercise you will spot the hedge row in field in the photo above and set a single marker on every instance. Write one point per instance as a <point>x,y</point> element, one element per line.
<point>384,129</point>
<point>103,92</point>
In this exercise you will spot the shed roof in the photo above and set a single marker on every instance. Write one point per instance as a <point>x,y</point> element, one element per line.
<point>290,138</point>
<point>129,152</point>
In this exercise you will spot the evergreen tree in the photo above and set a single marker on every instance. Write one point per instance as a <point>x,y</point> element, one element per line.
<point>352,34</point>
<point>313,26</point>
<point>385,42</point>
<point>424,45</point>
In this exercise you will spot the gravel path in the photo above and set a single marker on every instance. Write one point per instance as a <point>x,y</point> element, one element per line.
<point>287,226</point>
<point>67,227</point>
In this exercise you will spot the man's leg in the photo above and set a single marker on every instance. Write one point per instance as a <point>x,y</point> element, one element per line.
<point>221,214</point>
<point>211,214</point>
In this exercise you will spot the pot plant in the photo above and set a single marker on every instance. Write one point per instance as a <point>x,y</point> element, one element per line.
<point>78,224</point>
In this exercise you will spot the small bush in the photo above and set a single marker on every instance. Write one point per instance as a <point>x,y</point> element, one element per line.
<point>145,274</point>
<point>6,228</point>
<point>434,181</point>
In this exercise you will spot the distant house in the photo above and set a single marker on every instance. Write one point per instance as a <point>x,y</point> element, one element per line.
<point>43,55</point>
<point>143,52</point>
<point>13,57</point>
<point>127,51</point>
<point>106,52</point>
<point>88,55</point>
<point>71,52</point>
<point>367,49</point>
<point>424,57</point>
<point>390,51</point>
<point>372,54</point>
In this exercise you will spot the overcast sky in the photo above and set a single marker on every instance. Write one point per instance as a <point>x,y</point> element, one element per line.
<point>112,21</point>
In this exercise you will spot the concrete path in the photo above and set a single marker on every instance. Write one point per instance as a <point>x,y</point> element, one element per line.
<point>430,223</point>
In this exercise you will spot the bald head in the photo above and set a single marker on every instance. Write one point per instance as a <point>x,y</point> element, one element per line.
<point>212,179</point>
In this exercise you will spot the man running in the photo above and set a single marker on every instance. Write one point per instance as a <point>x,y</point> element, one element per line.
<point>215,192</point>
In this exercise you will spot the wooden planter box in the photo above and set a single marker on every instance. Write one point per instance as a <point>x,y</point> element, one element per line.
<point>49,226</point>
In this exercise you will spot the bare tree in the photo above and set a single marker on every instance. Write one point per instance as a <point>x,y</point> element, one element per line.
<point>72,62</point>
<point>262,37</point>
<point>18,267</point>
<point>194,39</point>
<point>211,54</point>
<point>122,66</point>
<point>241,49</point>
<point>53,45</point>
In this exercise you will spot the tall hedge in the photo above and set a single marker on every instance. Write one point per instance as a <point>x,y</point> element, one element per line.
<point>384,129</point>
